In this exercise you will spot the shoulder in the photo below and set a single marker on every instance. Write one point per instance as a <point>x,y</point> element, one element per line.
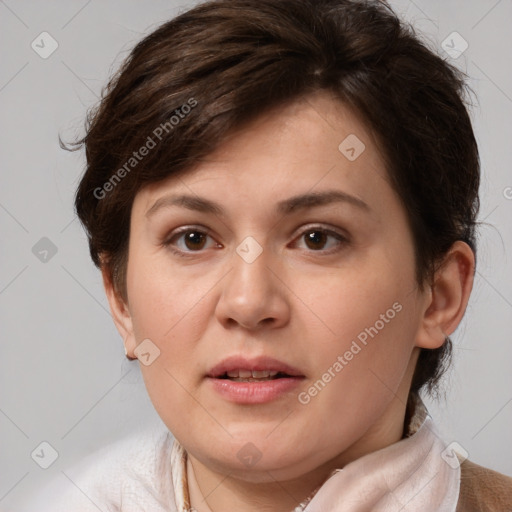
<point>133,474</point>
<point>483,490</point>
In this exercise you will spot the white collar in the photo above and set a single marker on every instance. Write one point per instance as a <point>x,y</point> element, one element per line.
<point>408,476</point>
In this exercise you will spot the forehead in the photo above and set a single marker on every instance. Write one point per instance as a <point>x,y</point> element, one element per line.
<point>311,144</point>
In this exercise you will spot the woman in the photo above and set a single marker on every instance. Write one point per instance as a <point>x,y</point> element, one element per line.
<point>281,196</point>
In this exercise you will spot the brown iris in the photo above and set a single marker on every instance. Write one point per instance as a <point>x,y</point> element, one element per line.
<point>195,240</point>
<point>316,239</point>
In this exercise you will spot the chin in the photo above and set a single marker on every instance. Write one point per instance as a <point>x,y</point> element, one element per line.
<point>261,461</point>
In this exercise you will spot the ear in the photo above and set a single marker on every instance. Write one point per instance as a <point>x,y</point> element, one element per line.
<point>120,313</point>
<point>448,296</point>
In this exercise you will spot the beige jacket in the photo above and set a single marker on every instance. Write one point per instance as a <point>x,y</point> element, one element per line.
<point>483,490</point>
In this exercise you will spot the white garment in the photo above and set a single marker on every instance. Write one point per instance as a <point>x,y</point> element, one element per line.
<point>408,476</point>
<point>147,473</point>
<point>133,474</point>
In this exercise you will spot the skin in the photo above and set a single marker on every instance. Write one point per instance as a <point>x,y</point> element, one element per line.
<point>298,302</point>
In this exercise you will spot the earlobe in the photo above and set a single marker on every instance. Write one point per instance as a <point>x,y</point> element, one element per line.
<point>120,313</point>
<point>448,297</point>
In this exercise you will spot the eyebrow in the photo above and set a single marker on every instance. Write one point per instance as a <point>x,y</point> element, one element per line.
<point>292,204</point>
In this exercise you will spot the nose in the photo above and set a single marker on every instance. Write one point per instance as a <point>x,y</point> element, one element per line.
<point>253,296</point>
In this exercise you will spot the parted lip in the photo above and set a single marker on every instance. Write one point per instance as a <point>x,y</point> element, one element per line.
<point>239,362</point>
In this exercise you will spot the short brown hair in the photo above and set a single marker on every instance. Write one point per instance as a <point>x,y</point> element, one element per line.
<point>227,61</point>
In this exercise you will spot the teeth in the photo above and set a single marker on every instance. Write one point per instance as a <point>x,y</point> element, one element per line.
<point>255,374</point>
<point>260,374</point>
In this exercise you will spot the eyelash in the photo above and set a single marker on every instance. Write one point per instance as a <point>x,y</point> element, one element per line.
<point>342,239</point>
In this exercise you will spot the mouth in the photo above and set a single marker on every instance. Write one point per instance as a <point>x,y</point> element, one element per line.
<point>252,381</point>
<point>240,368</point>
<point>252,375</point>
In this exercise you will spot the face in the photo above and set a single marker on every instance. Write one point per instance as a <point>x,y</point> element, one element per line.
<point>286,250</point>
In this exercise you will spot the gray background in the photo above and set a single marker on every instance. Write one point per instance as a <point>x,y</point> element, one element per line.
<point>63,376</point>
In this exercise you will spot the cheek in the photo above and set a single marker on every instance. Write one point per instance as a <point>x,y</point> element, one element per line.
<point>369,320</point>
<point>347,302</point>
<point>173,309</point>
<point>169,311</point>
<point>164,301</point>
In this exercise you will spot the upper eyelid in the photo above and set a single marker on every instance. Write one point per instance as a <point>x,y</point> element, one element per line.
<point>184,229</point>
<point>325,228</point>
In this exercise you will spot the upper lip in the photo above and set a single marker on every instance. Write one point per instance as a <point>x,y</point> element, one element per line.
<point>238,362</point>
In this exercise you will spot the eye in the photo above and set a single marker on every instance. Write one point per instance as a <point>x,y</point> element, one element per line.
<point>189,239</point>
<point>321,239</point>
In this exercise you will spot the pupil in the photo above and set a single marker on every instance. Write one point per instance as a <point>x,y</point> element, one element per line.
<point>315,237</point>
<point>194,238</point>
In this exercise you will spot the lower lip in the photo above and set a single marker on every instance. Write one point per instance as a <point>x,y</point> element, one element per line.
<point>254,392</point>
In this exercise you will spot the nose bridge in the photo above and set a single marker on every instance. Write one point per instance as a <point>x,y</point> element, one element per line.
<point>251,294</point>
<point>251,279</point>
<point>250,268</point>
